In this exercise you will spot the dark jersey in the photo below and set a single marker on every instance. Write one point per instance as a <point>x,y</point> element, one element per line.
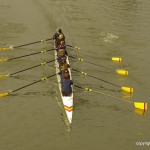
<point>66,86</point>
<point>57,40</point>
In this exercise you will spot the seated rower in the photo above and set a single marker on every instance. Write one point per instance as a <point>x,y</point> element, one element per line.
<point>62,63</point>
<point>60,52</point>
<point>64,69</point>
<point>66,85</point>
<point>62,45</point>
<point>61,57</point>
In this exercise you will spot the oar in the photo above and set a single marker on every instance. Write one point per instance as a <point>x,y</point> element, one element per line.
<point>78,48</point>
<point>116,59</point>
<point>11,47</point>
<point>41,64</point>
<point>118,71</point>
<point>125,89</point>
<point>42,79</point>
<point>138,105</point>
<point>42,51</point>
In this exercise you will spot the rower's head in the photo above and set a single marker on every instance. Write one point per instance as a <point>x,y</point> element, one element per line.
<point>61,46</point>
<point>61,50</point>
<point>62,53</point>
<point>59,30</point>
<point>62,42</point>
<point>63,61</point>
<point>66,66</point>
<point>66,75</point>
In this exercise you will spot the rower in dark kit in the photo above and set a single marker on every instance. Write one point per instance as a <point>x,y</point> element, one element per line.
<point>66,85</point>
<point>58,37</point>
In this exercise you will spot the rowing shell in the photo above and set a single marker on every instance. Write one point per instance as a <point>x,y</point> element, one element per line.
<point>67,100</point>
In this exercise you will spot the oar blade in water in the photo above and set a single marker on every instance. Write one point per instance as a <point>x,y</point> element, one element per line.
<point>4,94</point>
<point>4,75</point>
<point>3,60</point>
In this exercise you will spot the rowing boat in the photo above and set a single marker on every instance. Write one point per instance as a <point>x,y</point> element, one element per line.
<point>67,100</point>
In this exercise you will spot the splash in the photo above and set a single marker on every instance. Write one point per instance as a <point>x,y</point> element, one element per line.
<point>109,37</point>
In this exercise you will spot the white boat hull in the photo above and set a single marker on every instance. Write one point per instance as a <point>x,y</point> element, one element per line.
<point>67,100</point>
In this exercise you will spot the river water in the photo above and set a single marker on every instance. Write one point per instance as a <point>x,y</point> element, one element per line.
<point>33,118</point>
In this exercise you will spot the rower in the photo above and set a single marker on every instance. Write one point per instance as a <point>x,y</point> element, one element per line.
<point>64,69</point>
<point>62,46</point>
<point>66,85</point>
<point>58,37</point>
<point>62,63</point>
<point>61,56</point>
<point>60,52</point>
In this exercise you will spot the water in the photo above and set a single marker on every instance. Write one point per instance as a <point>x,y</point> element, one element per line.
<point>33,118</point>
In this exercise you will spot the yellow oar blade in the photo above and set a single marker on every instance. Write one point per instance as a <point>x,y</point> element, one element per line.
<point>122,72</point>
<point>3,60</point>
<point>140,105</point>
<point>4,94</point>
<point>4,48</point>
<point>2,75</point>
<point>116,59</point>
<point>127,89</point>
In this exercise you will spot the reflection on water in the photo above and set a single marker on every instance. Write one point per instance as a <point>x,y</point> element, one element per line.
<point>140,112</point>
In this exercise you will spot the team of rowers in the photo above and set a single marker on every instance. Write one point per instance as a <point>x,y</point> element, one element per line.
<point>66,82</point>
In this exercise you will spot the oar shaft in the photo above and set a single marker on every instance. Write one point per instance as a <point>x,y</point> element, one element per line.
<point>30,68</point>
<point>32,43</point>
<point>33,83</point>
<point>26,86</point>
<point>104,94</point>
<point>104,81</point>
<point>24,70</point>
<point>98,78</point>
<point>29,55</point>
<point>112,96</point>
<point>24,56</point>
<point>98,65</point>
<point>70,46</point>
<point>83,50</point>
<point>80,59</point>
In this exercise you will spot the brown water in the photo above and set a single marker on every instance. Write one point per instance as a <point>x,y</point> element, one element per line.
<point>33,118</point>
